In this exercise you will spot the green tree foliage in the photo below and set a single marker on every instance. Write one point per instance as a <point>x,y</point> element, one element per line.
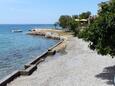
<point>64,21</point>
<point>101,33</point>
<point>74,27</point>
<point>75,16</point>
<point>85,15</point>
<point>67,22</point>
<point>56,24</point>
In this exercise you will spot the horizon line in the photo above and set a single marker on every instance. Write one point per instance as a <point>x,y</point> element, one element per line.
<point>25,23</point>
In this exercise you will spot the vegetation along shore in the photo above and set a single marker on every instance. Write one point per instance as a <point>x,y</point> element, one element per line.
<point>86,56</point>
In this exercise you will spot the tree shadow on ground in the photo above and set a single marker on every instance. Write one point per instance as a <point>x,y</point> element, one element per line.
<point>108,74</point>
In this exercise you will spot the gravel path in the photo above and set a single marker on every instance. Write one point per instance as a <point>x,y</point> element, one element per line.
<point>79,67</point>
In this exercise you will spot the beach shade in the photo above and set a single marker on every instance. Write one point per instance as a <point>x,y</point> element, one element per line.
<point>77,19</point>
<point>85,20</point>
<point>81,20</point>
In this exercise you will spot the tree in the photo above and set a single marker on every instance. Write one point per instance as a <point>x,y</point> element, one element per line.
<point>64,21</point>
<point>85,15</point>
<point>56,24</point>
<point>75,16</point>
<point>74,27</point>
<point>101,33</point>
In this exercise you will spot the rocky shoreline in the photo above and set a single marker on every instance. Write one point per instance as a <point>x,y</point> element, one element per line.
<point>48,33</point>
<point>52,34</point>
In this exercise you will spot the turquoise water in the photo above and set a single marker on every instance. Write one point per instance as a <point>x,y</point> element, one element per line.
<point>16,49</point>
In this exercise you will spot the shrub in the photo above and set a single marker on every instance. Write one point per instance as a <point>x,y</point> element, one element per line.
<point>101,33</point>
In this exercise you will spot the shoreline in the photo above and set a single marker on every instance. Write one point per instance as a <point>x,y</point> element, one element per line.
<point>80,66</point>
<point>32,65</point>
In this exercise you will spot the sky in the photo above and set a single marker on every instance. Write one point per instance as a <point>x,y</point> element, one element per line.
<point>42,11</point>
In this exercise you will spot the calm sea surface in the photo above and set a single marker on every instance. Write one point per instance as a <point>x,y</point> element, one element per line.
<point>16,49</point>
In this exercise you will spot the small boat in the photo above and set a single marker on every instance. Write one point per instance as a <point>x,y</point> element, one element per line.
<point>16,31</point>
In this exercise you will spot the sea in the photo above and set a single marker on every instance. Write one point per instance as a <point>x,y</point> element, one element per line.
<point>17,49</point>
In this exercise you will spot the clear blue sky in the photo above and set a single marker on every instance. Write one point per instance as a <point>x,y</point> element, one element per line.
<point>42,11</point>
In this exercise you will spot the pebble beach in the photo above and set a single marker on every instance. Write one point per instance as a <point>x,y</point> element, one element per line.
<point>78,66</point>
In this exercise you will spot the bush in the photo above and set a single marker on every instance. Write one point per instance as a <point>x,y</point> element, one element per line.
<point>64,21</point>
<point>101,33</point>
